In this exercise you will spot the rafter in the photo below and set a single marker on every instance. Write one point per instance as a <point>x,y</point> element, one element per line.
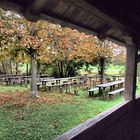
<point>36,6</point>
<point>103,30</point>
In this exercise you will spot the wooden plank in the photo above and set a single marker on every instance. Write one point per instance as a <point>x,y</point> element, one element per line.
<point>116,91</point>
<point>98,125</point>
<point>131,72</point>
<point>56,16</point>
<point>110,83</point>
<point>93,89</point>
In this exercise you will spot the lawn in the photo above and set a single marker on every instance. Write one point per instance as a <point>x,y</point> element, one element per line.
<point>12,89</point>
<point>46,117</point>
<point>110,69</point>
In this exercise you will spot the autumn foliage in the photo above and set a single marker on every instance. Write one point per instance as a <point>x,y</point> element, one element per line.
<point>62,47</point>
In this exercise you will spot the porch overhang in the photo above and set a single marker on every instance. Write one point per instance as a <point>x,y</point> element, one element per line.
<point>107,19</point>
<point>117,20</point>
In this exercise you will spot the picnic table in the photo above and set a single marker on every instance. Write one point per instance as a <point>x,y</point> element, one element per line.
<point>14,80</point>
<point>112,86</point>
<point>66,83</point>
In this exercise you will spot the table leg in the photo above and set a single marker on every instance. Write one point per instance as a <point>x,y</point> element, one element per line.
<point>103,92</point>
<point>100,91</point>
<point>113,87</point>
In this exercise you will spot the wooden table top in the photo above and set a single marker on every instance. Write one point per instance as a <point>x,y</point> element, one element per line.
<point>110,83</point>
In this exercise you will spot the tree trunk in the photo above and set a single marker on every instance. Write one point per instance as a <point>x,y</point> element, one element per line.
<point>33,74</point>
<point>16,68</point>
<point>38,68</point>
<point>3,67</point>
<point>61,69</point>
<point>87,67</point>
<point>66,71</point>
<point>27,69</point>
<point>11,70</point>
<point>101,68</point>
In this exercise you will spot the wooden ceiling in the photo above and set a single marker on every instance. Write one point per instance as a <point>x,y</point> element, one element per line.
<point>115,19</point>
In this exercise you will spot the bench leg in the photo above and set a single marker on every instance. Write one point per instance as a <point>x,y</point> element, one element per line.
<point>110,96</point>
<point>66,87</point>
<point>60,89</point>
<point>91,93</point>
<point>38,87</point>
<point>121,92</point>
<point>113,87</point>
<point>49,88</point>
<point>76,92</point>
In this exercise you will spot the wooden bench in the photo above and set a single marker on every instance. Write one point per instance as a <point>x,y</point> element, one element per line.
<point>38,85</point>
<point>112,93</point>
<point>91,91</point>
<point>55,85</point>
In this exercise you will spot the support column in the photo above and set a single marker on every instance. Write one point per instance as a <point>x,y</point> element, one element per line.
<point>131,72</point>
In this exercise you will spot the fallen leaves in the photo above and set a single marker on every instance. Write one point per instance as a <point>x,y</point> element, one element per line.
<point>23,99</point>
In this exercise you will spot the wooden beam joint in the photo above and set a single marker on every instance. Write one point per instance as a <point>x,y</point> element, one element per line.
<point>103,30</point>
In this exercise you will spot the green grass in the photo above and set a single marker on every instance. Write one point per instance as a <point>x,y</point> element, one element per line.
<point>138,89</point>
<point>110,69</point>
<point>115,69</point>
<point>48,121</point>
<point>22,68</point>
<point>9,89</point>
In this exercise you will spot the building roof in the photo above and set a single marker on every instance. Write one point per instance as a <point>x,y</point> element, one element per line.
<point>115,19</point>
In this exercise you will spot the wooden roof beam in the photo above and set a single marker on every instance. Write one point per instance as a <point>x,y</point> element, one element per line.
<point>66,22</point>
<point>36,6</point>
<point>83,5</point>
<point>19,9</point>
<point>11,6</point>
<point>103,30</point>
<point>33,10</point>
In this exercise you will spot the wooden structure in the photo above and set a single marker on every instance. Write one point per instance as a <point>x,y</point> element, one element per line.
<point>112,93</point>
<point>91,91</point>
<point>66,83</point>
<point>117,20</point>
<point>111,85</point>
<point>115,88</point>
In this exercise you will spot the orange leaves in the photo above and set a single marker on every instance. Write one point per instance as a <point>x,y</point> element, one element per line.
<point>22,99</point>
<point>70,44</point>
<point>30,42</point>
<point>52,42</point>
<point>104,49</point>
<point>85,47</point>
<point>119,53</point>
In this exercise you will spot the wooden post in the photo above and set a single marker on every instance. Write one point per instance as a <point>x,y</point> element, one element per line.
<point>131,72</point>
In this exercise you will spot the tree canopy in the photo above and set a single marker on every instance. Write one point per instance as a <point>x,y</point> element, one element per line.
<point>64,48</point>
